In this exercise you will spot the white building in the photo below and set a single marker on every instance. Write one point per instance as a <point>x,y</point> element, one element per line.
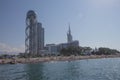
<point>52,49</point>
<point>55,49</point>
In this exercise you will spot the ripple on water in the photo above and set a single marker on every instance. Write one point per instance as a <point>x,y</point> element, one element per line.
<point>96,69</point>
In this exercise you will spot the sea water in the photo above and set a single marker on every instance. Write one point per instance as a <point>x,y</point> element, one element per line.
<point>90,69</point>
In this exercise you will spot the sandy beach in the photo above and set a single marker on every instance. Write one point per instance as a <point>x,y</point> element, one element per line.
<point>57,58</point>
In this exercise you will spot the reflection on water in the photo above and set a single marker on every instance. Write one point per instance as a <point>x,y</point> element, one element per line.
<point>95,69</point>
<point>34,71</point>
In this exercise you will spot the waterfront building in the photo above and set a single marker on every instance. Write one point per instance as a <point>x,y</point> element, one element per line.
<point>70,41</point>
<point>40,35</point>
<point>34,40</point>
<point>52,49</point>
<point>55,49</point>
<point>66,45</point>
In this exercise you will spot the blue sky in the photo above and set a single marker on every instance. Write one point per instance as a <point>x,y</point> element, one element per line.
<point>95,23</point>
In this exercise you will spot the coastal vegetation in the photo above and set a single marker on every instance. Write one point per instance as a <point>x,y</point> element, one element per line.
<point>88,51</point>
<point>105,51</point>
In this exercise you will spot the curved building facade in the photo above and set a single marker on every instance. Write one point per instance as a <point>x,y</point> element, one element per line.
<point>34,34</point>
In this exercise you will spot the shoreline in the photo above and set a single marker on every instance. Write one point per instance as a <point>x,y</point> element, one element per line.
<point>54,58</point>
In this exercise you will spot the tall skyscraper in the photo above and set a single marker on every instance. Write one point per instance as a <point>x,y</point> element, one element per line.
<point>40,35</point>
<point>69,36</point>
<point>34,41</point>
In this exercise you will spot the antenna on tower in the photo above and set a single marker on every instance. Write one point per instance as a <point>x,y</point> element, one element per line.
<point>69,31</point>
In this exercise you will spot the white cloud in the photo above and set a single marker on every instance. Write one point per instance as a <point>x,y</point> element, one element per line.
<point>4,48</point>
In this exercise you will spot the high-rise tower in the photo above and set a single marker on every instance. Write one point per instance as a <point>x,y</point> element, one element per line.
<point>69,36</point>
<point>33,32</point>
<point>40,35</point>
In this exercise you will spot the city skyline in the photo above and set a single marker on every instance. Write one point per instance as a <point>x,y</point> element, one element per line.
<point>93,23</point>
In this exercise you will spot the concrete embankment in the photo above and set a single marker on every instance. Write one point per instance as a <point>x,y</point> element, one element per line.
<point>58,58</point>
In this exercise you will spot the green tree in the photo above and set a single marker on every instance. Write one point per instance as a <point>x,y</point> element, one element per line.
<point>71,50</point>
<point>105,51</point>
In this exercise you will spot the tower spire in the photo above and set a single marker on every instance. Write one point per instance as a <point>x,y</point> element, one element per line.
<point>69,29</point>
<point>69,36</point>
